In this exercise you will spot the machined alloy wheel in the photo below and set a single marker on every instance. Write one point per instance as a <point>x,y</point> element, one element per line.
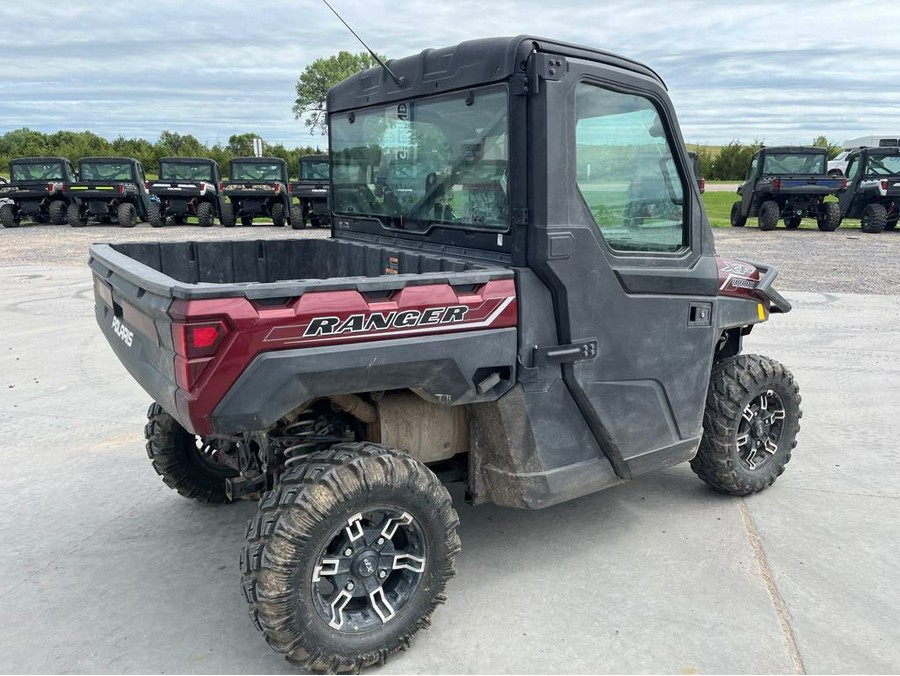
<point>349,556</point>
<point>750,425</point>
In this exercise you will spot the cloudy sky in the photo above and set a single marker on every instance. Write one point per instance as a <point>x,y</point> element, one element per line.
<point>778,71</point>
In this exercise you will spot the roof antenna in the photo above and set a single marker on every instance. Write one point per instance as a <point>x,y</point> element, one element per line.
<point>398,79</point>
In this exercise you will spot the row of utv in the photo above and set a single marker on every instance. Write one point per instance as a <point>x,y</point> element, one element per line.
<point>115,190</point>
<point>791,183</point>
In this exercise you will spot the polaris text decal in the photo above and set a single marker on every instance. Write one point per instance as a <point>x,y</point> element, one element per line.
<point>384,321</point>
<point>122,331</point>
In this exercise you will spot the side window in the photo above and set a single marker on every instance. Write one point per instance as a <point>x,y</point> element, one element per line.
<point>852,168</point>
<point>626,171</point>
<point>753,165</point>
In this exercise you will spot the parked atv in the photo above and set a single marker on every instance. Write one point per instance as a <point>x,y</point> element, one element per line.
<point>501,326</point>
<point>312,191</point>
<point>110,189</point>
<point>187,186</point>
<point>873,195</point>
<point>788,183</point>
<point>259,188</point>
<point>36,191</point>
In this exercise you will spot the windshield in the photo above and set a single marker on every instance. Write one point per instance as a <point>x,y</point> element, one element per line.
<point>186,171</point>
<point>256,171</point>
<point>37,171</point>
<point>794,163</point>
<point>421,162</point>
<point>883,165</point>
<point>106,171</point>
<point>315,170</point>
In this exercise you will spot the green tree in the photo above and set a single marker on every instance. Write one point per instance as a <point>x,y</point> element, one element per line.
<point>241,145</point>
<point>822,141</point>
<point>317,78</point>
<point>733,161</point>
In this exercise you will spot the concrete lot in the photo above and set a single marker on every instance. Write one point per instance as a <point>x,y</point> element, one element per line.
<point>104,569</point>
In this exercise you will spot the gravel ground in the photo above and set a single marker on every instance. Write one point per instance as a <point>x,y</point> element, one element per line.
<point>846,261</point>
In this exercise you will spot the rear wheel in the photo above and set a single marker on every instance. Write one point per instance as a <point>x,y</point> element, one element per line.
<point>297,220</point>
<point>793,222</point>
<point>187,463</point>
<point>8,216</point>
<point>57,212</point>
<point>349,557</point>
<point>205,215</point>
<point>829,218</point>
<point>750,425</point>
<point>737,220</point>
<point>74,217</point>
<point>157,219</point>
<point>874,218</point>
<point>278,215</point>
<point>227,216</point>
<point>246,220</point>
<point>127,215</point>
<point>768,215</point>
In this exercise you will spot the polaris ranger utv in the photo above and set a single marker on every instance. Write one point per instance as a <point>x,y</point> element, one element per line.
<point>502,327</point>
<point>112,189</point>
<point>187,186</point>
<point>259,187</point>
<point>36,191</point>
<point>790,183</point>
<point>874,192</point>
<point>312,191</point>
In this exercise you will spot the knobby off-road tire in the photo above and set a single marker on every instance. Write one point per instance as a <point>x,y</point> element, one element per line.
<point>750,425</point>
<point>57,212</point>
<point>227,216</point>
<point>769,214</point>
<point>874,219</point>
<point>793,222</point>
<point>8,216</point>
<point>737,220</point>
<point>157,220</point>
<point>829,218</point>
<point>126,214</point>
<point>278,215</point>
<point>74,217</point>
<point>357,507</point>
<point>181,464</point>
<point>298,222</point>
<point>205,215</point>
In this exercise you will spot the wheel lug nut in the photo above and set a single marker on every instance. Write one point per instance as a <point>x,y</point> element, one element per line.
<point>382,574</point>
<point>350,586</point>
<point>348,552</point>
<point>380,541</point>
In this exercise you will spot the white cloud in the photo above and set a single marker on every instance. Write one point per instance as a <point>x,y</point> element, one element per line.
<point>774,70</point>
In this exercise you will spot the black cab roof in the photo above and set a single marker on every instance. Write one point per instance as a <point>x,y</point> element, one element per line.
<point>35,160</point>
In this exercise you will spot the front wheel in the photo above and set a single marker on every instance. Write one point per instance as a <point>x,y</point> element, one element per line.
<point>349,556</point>
<point>278,215</point>
<point>157,218</point>
<point>738,220</point>
<point>750,425</point>
<point>227,215</point>
<point>205,214</point>
<point>298,222</point>
<point>187,463</point>
<point>768,215</point>
<point>74,217</point>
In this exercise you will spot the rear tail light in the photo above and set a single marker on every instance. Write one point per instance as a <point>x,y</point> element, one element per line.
<point>844,184</point>
<point>51,187</point>
<point>147,185</point>
<point>702,185</point>
<point>120,189</point>
<point>884,185</point>
<point>290,188</point>
<point>277,188</point>
<point>196,343</point>
<point>202,186</point>
<point>221,186</point>
<point>777,184</point>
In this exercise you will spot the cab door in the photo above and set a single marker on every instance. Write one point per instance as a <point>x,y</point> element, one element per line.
<point>748,186</point>
<point>621,239</point>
